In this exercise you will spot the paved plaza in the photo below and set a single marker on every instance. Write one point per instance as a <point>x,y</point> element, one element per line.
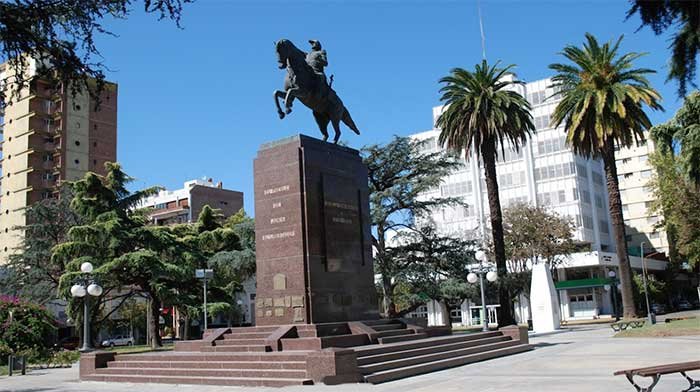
<point>580,359</point>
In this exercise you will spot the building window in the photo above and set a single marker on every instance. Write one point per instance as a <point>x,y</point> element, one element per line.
<point>625,208</point>
<point>587,222</point>
<point>586,196</point>
<point>456,189</point>
<point>562,196</point>
<point>598,201</point>
<point>603,226</point>
<point>646,173</point>
<point>48,157</point>
<point>654,236</point>
<point>643,158</point>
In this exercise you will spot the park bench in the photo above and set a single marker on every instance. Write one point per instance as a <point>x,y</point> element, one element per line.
<point>655,372</point>
<point>624,324</point>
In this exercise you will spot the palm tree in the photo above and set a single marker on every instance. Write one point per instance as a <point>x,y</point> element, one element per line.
<point>483,113</point>
<point>602,98</point>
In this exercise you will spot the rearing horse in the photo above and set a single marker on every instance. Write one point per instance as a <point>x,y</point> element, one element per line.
<point>311,89</point>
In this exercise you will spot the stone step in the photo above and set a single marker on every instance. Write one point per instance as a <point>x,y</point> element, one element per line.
<point>270,328</point>
<point>395,332</point>
<point>394,374</point>
<point>418,359</point>
<point>289,365</point>
<point>235,349</point>
<point>388,327</point>
<point>397,352</point>
<point>254,373</point>
<point>402,338</point>
<point>381,321</point>
<point>247,335</point>
<point>232,381</point>
<point>429,342</point>
<point>214,356</point>
<point>239,342</point>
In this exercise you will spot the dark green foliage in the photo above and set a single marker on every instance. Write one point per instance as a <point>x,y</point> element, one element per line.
<point>63,34</point>
<point>435,267</point>
<point>398,173</point>
<point>24,328</point>
<point>31,273</point>
<point>684,16</point>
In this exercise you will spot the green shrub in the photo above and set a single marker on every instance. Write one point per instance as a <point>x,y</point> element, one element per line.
<point>65,358</point>
<point>25,329</point>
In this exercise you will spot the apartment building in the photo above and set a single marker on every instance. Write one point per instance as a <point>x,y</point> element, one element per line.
<point>634,173</point>
<point>184,205</point>
<point>48,135</point>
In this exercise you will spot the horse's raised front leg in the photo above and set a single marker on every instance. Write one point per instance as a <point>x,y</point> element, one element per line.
<point>289,99</point>
<point>277,95</point>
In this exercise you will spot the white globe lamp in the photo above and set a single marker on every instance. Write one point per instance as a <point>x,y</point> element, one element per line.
<point>480,255</point>
<point>472,278</point>
<point>95,290</point>
<point>77,291</point>
<point>491,276</point>
<point>86,267</point>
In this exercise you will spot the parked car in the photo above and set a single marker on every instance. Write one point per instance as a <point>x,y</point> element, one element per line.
<point>658,308</point>
<point>118,341</point>
<point>69,343</point>
<point>684,305</point>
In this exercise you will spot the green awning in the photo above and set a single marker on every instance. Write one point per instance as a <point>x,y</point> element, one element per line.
<point>582,283</point>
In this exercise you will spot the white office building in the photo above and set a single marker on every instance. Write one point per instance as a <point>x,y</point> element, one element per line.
<point>544,173</point>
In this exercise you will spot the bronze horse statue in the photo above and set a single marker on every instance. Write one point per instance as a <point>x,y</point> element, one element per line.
<point>310,87</point>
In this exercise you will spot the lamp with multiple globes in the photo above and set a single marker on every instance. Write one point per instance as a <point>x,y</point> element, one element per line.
<point>478,274</point>
<point>84,286</point>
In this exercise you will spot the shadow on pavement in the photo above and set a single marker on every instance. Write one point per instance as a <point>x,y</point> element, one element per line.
<point>545,344</point>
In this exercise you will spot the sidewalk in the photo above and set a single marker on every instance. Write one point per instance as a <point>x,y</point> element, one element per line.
<point>582,359</point>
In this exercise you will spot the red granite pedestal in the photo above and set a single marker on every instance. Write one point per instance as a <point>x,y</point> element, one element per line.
<point>312,226</point>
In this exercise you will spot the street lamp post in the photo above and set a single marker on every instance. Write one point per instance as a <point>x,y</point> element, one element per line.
<point>613,291</point>
<point>83,286</point>
<point>204,274</point>
<point>491,276</point>
<point>646,287</point>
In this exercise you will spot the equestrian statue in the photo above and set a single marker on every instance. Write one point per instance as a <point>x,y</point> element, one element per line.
<point>306,81</point>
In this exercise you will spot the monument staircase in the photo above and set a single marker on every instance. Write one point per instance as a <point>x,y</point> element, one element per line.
<point>371,351</point>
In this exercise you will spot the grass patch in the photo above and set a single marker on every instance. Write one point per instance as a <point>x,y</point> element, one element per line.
<point>685,327</point>
<point>138,349</point>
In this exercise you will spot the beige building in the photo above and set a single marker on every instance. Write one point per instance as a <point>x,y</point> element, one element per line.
<point>634,173</point>
<point>48,136</point>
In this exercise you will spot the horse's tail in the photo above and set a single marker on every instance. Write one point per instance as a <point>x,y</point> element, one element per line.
<point>347,120</point>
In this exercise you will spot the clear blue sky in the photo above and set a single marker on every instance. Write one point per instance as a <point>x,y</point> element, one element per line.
<point>198,101</point>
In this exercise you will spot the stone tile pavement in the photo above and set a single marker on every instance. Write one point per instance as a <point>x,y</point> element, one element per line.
<point>581,359</point>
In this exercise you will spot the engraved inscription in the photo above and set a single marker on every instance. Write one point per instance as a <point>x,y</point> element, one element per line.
<point>280,219</point>
<point>279,312</point>
<point>341,206</point>
<point>345,221</point>
<point>272,191</point>
<point>268,313</point>
<point>284,234</point>
<point>277,204</point>
<point>278,302</point>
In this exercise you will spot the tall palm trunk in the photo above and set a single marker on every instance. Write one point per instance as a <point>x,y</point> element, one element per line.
<point>618,224</point>
<point>488,154</point>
